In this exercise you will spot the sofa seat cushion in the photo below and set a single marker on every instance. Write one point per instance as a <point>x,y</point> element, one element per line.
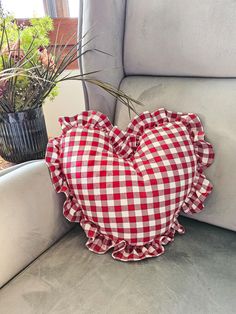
<point>196,276</point>
<point>126,188</point>
<point>213,100</point>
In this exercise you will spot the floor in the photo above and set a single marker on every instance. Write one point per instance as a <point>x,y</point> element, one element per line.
<point>197,274</point>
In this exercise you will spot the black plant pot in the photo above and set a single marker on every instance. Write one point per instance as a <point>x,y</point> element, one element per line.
<point>23,135</point>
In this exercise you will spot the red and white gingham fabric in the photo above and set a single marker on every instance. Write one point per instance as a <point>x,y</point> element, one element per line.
<point>126,188</point>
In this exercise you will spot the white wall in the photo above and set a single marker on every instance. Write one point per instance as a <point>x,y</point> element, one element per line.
<point>69,102</point>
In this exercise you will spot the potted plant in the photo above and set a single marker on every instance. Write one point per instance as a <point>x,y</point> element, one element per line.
<point>30,71</point>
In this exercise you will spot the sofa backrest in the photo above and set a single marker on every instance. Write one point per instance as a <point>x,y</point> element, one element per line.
<point>194,38</point>
<point>101,22</point>
<point>180,38</point>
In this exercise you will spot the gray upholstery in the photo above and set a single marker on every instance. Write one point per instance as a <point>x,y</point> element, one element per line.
<point>14,167</point>
<point>178,39</point>
<point>31,218</point>
<point>195,276</point>
<point>182,38</point>
<point>102,31</point>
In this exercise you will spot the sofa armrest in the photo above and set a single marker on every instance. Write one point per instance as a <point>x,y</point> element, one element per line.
<point>16,166</point>
<point>31,218</point>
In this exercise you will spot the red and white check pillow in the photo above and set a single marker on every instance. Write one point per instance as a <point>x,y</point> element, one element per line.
<point>127,188</point>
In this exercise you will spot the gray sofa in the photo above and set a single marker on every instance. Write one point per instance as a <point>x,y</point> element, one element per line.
<point>174,54</point>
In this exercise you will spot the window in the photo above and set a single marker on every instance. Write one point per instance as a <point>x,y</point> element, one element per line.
<point>24,8</point>
<point>39,8</point>
<point>63,12</point>
<point>74,8</point>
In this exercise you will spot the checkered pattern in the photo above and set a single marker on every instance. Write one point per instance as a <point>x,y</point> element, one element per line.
<point>126,188</point>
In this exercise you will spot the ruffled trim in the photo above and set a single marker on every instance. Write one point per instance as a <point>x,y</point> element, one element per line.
<point>71,210</point>
<point>88,119</point>
<point>201,186</point>
<point>101,243</point>
<point>125,144</point>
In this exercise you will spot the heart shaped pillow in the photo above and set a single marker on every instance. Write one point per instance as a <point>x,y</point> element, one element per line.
<point>127,188</point>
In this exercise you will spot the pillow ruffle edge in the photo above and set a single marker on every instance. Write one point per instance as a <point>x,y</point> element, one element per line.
<point>101,243</point>
<point>201,186</point>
